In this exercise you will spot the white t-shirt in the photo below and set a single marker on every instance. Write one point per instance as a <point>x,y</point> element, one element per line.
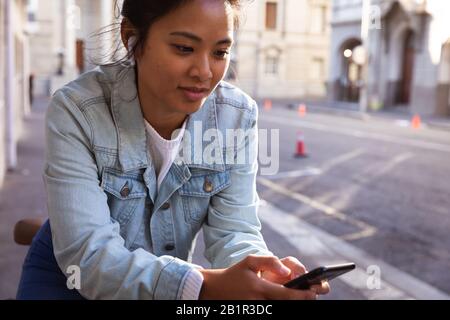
<point>163,153</point>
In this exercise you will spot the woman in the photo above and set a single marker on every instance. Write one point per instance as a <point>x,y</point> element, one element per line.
<point>124,206</point>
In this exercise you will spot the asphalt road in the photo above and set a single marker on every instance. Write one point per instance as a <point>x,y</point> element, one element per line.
<point>377,184</point>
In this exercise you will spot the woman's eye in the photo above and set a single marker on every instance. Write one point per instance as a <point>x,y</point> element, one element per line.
<point>222,54</point>
<point>183,49</point>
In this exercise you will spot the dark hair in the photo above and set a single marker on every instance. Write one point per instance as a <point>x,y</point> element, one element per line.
<point>141,15</point>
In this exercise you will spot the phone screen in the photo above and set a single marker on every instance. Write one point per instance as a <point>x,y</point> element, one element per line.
<point>318,275</point>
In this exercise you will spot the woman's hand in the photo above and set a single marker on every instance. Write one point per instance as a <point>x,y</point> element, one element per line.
<point>243,281</point>
<point>296,269</point>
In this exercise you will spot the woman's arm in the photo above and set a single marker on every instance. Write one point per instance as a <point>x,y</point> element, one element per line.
<point>233,238</point>
<point>232,229</point>
<point>83,234</point>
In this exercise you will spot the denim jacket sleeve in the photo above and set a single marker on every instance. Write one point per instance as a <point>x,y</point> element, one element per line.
<point>83,233</point>
<point>232,230</point>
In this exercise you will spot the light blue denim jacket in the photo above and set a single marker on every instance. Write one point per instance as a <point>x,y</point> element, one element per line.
<point>129,240</point>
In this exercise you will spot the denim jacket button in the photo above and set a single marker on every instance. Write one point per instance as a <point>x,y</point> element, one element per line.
<point>165,206</point>
<point>125,192</point>
<point>208,186</point>
<point>169,247</point>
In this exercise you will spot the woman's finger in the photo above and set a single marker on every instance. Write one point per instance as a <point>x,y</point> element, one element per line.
<point>267,263</point>
<point>323,288</point>
<point>297,268</point>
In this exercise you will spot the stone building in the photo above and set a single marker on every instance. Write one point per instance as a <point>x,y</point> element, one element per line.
<point>63,39</point>
<point>406,54</point>
<point>282,49</point>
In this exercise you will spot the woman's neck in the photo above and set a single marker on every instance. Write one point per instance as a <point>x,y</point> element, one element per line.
<point>159,117</point>
<point>165,125</point>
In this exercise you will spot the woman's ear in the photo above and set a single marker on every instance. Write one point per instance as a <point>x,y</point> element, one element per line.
<point>127,34</point>
<point>131,43</point>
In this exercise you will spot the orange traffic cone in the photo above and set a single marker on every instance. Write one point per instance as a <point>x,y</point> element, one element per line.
<point>300,146</point>
<point>302,110</point>
<point>267,104</point>
<point>416,122</point>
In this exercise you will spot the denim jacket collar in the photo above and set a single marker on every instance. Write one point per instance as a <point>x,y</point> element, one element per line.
<point>132,138</point>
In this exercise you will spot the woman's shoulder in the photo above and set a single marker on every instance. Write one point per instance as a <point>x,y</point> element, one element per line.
<point>84,103</point>
<point>92,86</point>
<point>234,108</point>
<point>233,96</point>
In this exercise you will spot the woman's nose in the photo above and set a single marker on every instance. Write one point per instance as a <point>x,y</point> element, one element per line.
<point>202,69</point>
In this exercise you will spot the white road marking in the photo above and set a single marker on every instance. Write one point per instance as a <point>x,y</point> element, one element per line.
<point>378,170</point>
<point>358,134</point>
<point>342,159</point>
<point>325,248</point>
<point>403,123</point>
<point>366,229</point>
<point>317,171</point>
<point>295,174</point>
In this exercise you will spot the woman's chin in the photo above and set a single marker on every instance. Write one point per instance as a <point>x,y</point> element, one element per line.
<point>192,107</point>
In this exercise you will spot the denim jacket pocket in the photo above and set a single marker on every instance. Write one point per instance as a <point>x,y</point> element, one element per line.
<point>125,191</point>
<point>197,192</point>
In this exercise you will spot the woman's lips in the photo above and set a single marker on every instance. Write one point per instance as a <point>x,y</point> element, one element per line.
<point>194,95</point>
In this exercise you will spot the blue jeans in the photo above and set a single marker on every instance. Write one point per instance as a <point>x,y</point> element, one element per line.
<point>42,279</point>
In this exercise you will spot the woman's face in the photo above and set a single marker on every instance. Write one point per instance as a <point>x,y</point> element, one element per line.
<point>186,55</point>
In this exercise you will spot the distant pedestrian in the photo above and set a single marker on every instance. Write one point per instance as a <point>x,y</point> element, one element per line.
<point>31,89</point>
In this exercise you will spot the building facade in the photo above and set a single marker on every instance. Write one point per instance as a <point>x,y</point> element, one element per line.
<point>14,75</point>
<point>63,40</point>
<point>42,42</point>
<point>282,49</point>
<point>402,61</point>
<point>2,93</point>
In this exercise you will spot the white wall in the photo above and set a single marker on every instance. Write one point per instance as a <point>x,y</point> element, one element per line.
<point>2,95</point>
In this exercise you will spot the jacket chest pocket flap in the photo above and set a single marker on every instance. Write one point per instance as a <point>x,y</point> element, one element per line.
<point>197,192</point>
<point>125,191</point>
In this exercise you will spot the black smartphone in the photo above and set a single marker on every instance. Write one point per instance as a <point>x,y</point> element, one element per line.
<point>316,276</point>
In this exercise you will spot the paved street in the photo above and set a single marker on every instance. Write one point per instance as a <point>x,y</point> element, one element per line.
<point>376,184</point>
<point>372,192</point>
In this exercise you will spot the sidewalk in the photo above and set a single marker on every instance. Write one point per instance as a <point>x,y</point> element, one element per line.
<point>21,196</point>
<point>352,110</point>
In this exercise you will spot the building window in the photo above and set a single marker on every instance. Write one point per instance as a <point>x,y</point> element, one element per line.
<point>319,19</point>
<point>272,64</point>
<point>32,8</point>
<point>323,19</point>
<point>271,15</point>
<point>318,69</point>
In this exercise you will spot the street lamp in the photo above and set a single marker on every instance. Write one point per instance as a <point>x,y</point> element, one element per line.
<point>348,53</point>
